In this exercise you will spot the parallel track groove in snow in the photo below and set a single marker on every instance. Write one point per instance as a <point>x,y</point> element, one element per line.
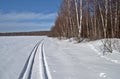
<point>46,70</point>
<point>28,67</point>
<point>27,70</point>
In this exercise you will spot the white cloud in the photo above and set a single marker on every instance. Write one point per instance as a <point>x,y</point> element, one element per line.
<point>26,16</point>
<point>26,20</point>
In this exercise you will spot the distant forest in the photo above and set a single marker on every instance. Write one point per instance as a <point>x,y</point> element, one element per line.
<point>36,33</point>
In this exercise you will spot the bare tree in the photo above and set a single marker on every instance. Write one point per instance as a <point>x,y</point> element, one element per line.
<point>80,26</point>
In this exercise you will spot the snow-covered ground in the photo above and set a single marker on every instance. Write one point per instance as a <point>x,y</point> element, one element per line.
<point>14,52</point>
<point>32,58</point>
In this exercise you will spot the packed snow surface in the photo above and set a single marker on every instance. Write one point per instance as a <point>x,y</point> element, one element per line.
<point>40,57</point>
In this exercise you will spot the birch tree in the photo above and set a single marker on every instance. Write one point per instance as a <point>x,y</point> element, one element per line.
<point>80,26</point>
<point>77,16</point>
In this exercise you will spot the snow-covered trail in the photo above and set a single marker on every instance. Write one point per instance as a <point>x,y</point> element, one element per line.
<point>69,61</point>
<point>32,58</point>
<point>36,66</point>
<point>20,57</point>
<point>29,65</point>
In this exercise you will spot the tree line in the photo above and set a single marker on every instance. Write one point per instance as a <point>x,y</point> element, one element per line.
<point>34,33</point>
<point>93,19</point>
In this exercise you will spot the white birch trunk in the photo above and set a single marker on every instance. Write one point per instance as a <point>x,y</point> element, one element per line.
<point>106,13</point>
<point>77,17</point>
<point>102,18</point>
<point>80,26</point>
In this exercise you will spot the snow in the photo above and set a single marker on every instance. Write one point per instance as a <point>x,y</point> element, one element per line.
<point>97,46</point>
<point>67,60</point>
<point>14,51</point>
<point>58,59</point>
<point>103,75</point>
<point>46,65</point>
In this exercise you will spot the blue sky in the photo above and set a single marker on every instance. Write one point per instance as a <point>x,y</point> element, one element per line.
<point>27,15</point>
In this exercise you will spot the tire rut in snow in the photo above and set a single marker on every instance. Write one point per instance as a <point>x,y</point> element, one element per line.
<point>27,69</point>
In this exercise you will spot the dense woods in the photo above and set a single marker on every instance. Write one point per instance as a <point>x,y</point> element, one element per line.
<point>93,19</point>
